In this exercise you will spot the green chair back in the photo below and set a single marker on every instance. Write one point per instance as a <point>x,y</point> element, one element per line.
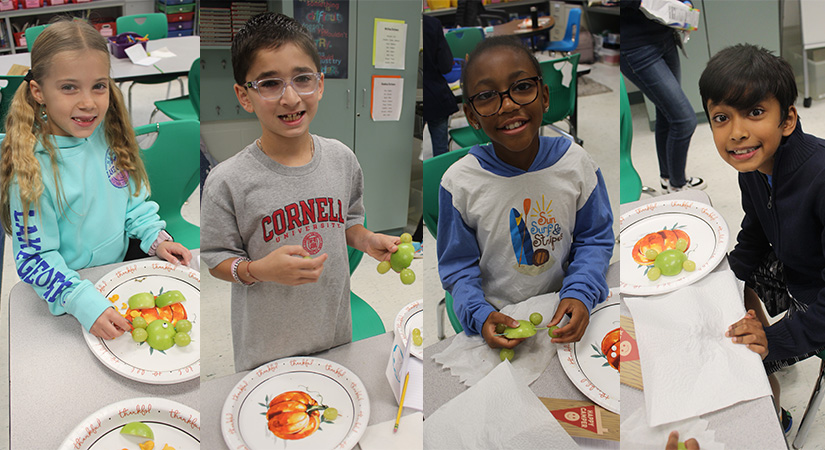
<point>631,183</point>
<point>173,165</point>
<point>153,25</point>
<point>562,98</point>
<point>195,86</point>
<point>188,106</point>
<point>462,41</point>
<point>434,169</point>
<point>468,136</point>
<point>6,96</point>
<point>31,35</point>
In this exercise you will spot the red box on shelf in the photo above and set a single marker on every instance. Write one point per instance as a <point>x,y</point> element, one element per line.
<point>20,39</point>
<point>7,5</point>
<point>56,2</point>
<point>32,4</point>
<point>106,29</point>
<point>81,1</point>
<point>180,17</point>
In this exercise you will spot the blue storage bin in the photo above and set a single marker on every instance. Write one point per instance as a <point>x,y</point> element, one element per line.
<point>185,25</point>
<point>176,2</point>
<point>179,33</point>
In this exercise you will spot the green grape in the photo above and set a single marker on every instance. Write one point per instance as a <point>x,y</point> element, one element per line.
<point>139,322</point>
<point>139,334</point>
<point>651,254</point>
<point>406,238</point>
<point>402,257</point>
<point>689,265</point>
<point>182,339</point>
<point>330,414</point>
<point>407,276</point>
<point>507,353</point>
<point>552,331</point>
<point>536,318</point>
<point>161,335</point>
<point>183,326</point>
<point>500,327</point>
<point>524,330</point>
<point>654,273</point>
<point>384,267</point>
<point>418,340</point>
<point>670,262</point>
<point>416,332</point>
<point>681,244</point>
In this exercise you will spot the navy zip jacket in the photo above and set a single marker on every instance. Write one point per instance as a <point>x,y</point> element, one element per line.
<point>789,218</point>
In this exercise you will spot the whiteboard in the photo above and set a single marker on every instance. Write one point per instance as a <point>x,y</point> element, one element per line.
<point>813,18</point>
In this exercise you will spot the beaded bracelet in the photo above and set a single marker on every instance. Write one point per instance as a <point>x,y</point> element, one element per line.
<point>249,273</point>
<point>235,265</point>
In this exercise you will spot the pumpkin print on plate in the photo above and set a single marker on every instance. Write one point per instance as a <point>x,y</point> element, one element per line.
<point>294,415</point>
<point>609,349</point>
<point>660,241</point>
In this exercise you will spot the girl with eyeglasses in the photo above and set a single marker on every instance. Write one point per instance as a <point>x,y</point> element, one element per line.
<point>523,215</point>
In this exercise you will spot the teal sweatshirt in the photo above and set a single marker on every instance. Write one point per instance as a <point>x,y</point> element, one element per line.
<point>99,216</point>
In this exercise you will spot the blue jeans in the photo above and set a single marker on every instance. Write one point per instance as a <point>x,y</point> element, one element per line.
<point>438,135</point>
<point>655,70</point>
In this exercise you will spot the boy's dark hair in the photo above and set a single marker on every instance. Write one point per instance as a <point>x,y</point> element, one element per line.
<point>268,31</point>
<point>743,75</point>
<point>490,43</point>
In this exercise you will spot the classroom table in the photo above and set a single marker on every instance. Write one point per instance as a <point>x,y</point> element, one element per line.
<point>366,358</point>
<point>55,380</point>
<point>511,28</point>
<point>187,49</point>
<point>441,386</point>
<point>749,424</point>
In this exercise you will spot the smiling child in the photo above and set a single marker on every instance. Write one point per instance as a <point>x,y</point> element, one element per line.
<point>748,95</point>
<point>524,215</point>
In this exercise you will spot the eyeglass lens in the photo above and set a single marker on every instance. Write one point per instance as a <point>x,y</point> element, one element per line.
<point>522,92</point>
<point>274,88</point>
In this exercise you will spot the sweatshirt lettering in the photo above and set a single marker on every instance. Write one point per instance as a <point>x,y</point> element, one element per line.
<point>301,214</point>
<point>34,269</point>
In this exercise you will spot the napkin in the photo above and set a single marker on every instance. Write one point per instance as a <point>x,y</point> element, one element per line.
<point>163,52</point>
<point>408,436</point>
<point>689,367</point>
<point>137,54</point>
<point>637,435</point>
<point>470,358</point>
<point>499,412</point>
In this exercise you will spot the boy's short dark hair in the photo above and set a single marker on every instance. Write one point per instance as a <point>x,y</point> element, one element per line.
<point>268,31</point>
<point>493,42</point>
<point>743,75</point>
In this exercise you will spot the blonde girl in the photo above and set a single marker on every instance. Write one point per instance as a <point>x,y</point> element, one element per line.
<point>72,185</point>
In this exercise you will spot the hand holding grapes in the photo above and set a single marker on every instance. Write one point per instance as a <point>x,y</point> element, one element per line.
<point>109,325</point>
<point>579,318</point>
<point>489,331</point>
<point>381,246</point>
<point>290,265</point>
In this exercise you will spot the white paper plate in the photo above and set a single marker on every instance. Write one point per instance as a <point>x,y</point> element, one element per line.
<point>244,422</point>
<point>587,365</point>
<point>171,422</point>
<point>705,227</point>
<point>411,316</point>
<point>138,361</point>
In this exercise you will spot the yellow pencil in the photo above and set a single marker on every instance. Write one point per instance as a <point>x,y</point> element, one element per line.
<point>401,403</point>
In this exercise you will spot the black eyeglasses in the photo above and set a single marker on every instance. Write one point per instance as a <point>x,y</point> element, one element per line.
<point>522,92</point>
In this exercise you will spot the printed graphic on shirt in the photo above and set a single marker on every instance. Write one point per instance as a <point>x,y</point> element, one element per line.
<point>534,233</point>
<point>33,269</point>
<point>118,178</point>
<point>304,218</point>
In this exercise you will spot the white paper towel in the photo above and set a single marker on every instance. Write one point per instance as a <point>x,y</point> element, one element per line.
<point>408,437</point>
<point>499,412</point>
<point>689,367</point>
<point>470,358</point>
<point>637,435</point>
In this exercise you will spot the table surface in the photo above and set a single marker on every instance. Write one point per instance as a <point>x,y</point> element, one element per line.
<point>366,358</point>
<point>749,424</point>
<point>441,386</point>
<point>187,49</point>
<point>512,27</point>
<point>51,366</point>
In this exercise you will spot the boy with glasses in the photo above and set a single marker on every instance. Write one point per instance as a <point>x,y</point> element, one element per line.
<point>278,216</point>
<point>524,215</point>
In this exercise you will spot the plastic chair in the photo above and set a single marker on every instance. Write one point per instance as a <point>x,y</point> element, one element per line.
<point>562,98</point>
<point>434,169</point>
<point>186,107</point>
<point>570,41</point>
<point>173,165</point>
<point>154,26</point>
<point>813,405</point>
<point>468,136</point>
<point>631,183</point>
<point>462,41</point>
<point>31,35</point>
<point>6,95</point>
<point>366,322</point>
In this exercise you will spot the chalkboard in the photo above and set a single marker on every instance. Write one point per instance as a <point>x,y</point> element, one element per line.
<point>328,22</point>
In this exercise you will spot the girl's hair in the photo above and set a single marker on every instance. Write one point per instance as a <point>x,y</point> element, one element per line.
<point>25,127</point>
<point>510,42</point>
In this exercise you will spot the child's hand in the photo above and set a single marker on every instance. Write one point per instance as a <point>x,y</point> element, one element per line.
<point>381,247</point>
<point>174,252</point>
<point>579,318</point>
<point>749,331</point>
<point>488,330</point>
<point>289,265</point>
<point>110,325</point>
<point>673,442</point>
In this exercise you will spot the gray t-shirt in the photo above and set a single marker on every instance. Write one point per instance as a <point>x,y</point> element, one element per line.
<point>253,205</point>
